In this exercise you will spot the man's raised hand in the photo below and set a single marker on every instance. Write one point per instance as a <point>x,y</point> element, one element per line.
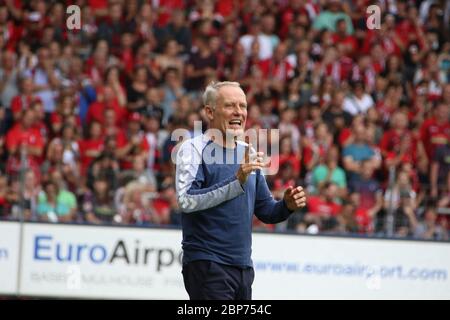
<point>251,162</point>
<point>294,198</point>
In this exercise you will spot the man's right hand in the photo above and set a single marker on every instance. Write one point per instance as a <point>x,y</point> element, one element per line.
<point>251,162</point>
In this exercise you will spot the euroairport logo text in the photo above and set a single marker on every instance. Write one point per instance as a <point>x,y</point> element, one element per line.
<point>355,270</point>
<point>47,248</point>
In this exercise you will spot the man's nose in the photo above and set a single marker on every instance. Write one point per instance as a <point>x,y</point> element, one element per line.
<point>237,110</point>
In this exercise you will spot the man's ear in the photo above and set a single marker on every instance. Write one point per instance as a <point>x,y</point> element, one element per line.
<point>209,112</point>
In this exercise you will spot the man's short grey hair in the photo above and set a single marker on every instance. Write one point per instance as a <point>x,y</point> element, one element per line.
<point>212,92</point>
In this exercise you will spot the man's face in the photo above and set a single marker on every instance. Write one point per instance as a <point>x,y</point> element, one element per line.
<point>230,114</point>
<point>108,94</point>
<point>339,99</point>
<point>43,56</point>
<point>178,18</point>
<point>268,23</point>
<point>400,121</point>
<point>116,12</point>
<point>28,118</point>
<point>442,111</point>
<point>330,192</point>
<point>359,132</point>
<point>27,86</point>
<point>342,27</point>
<point>56,177</point>
<point>110,117</point>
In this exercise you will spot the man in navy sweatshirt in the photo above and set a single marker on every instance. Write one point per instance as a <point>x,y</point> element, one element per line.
<point>220,186</point>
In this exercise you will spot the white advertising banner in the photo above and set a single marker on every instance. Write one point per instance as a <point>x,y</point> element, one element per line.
<point>9,256</point>
<point>102,262</point>
<point>141,263</point>
<point>317,267</point>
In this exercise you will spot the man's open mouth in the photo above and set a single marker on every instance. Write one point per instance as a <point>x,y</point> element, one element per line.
<point>235,122</point>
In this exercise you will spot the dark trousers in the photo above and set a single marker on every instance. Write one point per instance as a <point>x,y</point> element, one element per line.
<point>209,280</point>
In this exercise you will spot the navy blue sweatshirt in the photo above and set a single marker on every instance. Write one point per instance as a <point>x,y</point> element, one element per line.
<point>216,210</point>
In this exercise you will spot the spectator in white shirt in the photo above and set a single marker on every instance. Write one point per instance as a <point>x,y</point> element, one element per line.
<point>358,102</point>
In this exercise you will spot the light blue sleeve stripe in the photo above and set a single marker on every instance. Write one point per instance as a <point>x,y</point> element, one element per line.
<point>189,159</point>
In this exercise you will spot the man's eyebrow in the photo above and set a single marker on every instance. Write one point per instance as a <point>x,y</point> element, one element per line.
<point>231,101</point>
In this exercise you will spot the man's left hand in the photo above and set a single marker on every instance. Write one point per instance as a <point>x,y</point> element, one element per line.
<point>294,198</point>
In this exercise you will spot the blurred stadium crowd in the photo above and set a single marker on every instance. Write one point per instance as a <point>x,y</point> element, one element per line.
<point>86,115</point>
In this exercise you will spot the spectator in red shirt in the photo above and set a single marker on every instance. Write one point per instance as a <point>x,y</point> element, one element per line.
<point>112,80</point>
<point>387,36</point>
<point>125,52</point>
<point>323,209</point>
<point>398,144</point>
<point>365,217</point>
<point>106,100</point>
<point>285,178</point>
<point>341,37</point>
<point>91,147</point>
<point>25,135</point>
<point>279,69</point>
<point>411,27</point>
<point>23,100</point>
<point>390,102</point>
<point>99,7</point>
<point>293,10</point>
<point>435,131</point>
<point>40,121</point>
<point>165,8</point>
<point>110,128</point>
<point>98,62</point>
<point>134,144</point>
<point>10,32</point>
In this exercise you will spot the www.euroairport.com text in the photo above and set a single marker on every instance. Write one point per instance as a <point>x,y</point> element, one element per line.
<point>354,270</point>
